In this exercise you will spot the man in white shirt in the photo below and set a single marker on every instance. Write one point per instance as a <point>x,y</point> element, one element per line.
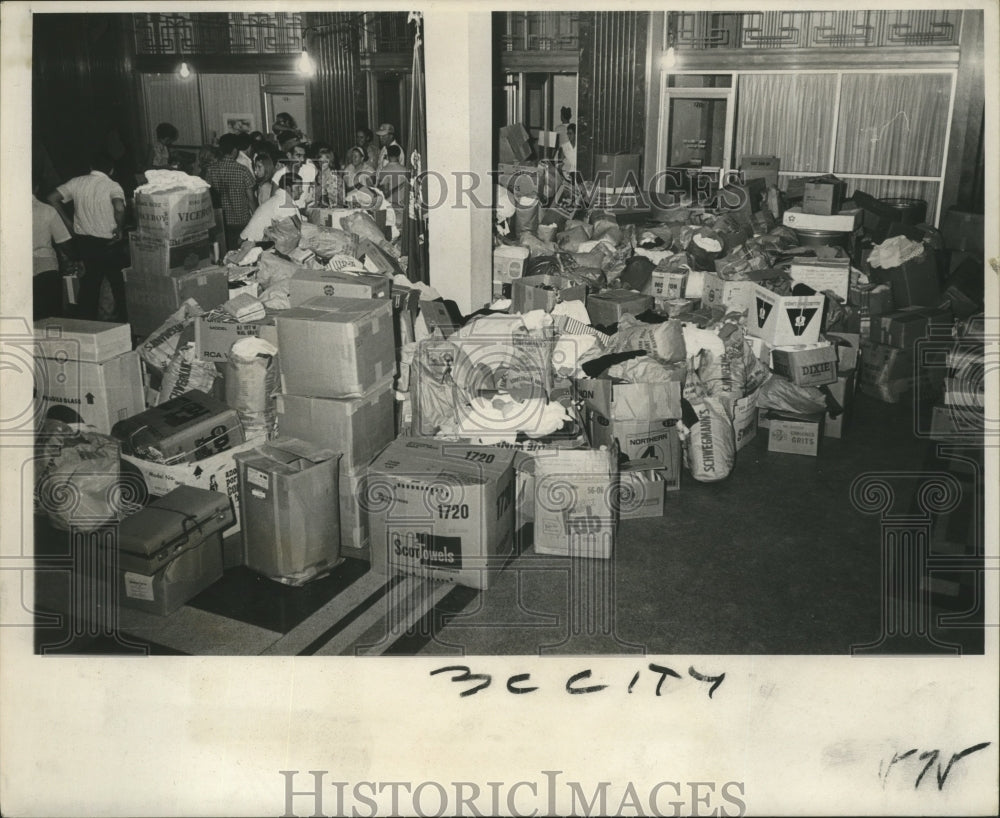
<point>98,213</point>
<point>280,206</point>
<point>243,142</point>
<point>387,136</point>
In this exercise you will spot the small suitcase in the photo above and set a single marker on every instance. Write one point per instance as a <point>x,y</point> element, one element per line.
<point>172,550</point>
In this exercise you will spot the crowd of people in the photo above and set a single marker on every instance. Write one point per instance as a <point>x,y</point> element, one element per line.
<point>256,179</point>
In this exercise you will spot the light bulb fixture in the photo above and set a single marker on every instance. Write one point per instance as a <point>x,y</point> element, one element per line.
<point>305,64</point>
<point>184,71</point>
<point>669,60</point>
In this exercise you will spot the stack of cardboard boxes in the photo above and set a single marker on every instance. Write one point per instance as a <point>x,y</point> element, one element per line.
<point>338,365</point>
<point>171,257</point>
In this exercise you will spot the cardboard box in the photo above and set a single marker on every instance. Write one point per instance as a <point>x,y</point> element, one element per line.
<point>745,419</point>
<point>783,320</point>
<point>761,167</point>
<point>216,473</point>
<point>914,283</point>
<point>514,146</point>
<point>336,347</point>
<point>642,444</point>
<point>875,299</point>
<point>888,373</point>
<point>903,328</point>
<point>521,180</point>
<point>442,315</point>
<point>358,428</point>
<point>808,365</point>
<point>642,494</point>
<point>575,505</point>
<point>845,221</point>
<point>843,393</point>
<point>217,331</point>
<point>306,284</point>
<point>72,339</point>
<point>355,533</point>
<point>291,510</point>
<point>172,550</point>
<point>608,306</point>
<point>823,197</point>
<point>667,285</point>
<point>822,274</point>
<point>188,428</point>
<point>151,298</point>
<point>98,394</point>
<point>444,511</point>
<point>732,295</point>
<point>794,434</point>
<point>631,401</point>
<point>159,256</point>
<point>508,263</point>
<point>543,292</point>
<point>176,213</point>
<point>956,424</point>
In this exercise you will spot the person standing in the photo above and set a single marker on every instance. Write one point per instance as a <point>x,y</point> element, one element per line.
<point>234,186</point>
<point>98,214</point>
<point>243,142</point>
<point>51,242</point>
<point>366,141</point>
<point>386,137</point>
<point>159,152</point>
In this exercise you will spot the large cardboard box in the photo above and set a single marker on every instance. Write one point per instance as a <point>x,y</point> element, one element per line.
<point>809,365</point>
<point>73,339</point>
<point>733,295</point>
<point>514,146</point>
<point>543,292</point>
<point>444,511</point>
<point>845,221</point>
<point>668,285</point>
<point>306,284</point>
<point>888,373</point>
<point>150,298</point>
<point>215,473</point>
<point>915,283</point>
<point>217,331</point>
<point>822,274</point>
<point>97,394</point>
<point>631,401</point>
<point>291,510</point>
<point>761,167</point>
<point>575,503</point>
<point>782,320</point>
<point>794,434</point>
<point>902,329</point>
<point>875,299</point>
<point>159,256</point>
<point>823,197</point>
<point>358,428</point>
<point>172,549</point>
<point>608,306</point>
<point>188,428</point>
<point>174,214</point>
<point>336,347</point>
<point>642,444</point>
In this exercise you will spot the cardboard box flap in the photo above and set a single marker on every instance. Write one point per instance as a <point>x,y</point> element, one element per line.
<point>78,340</point>
<point>176,522</point>
<point>300,449</point>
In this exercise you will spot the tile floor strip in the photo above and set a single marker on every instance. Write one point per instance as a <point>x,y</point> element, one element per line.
<point>297,641</point>
<point>397,605</point>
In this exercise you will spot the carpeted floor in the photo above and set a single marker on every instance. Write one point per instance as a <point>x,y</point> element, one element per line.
<point>777,559</point>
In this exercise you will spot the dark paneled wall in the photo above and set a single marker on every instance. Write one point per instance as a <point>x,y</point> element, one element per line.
<point>612,89</point>
<point>338,100</point>
<point>85,94</point>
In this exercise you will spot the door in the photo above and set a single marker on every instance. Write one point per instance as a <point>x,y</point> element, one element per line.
<point>695,138</point>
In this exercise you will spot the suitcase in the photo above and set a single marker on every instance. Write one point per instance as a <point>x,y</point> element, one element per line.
<point>172,550</point>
